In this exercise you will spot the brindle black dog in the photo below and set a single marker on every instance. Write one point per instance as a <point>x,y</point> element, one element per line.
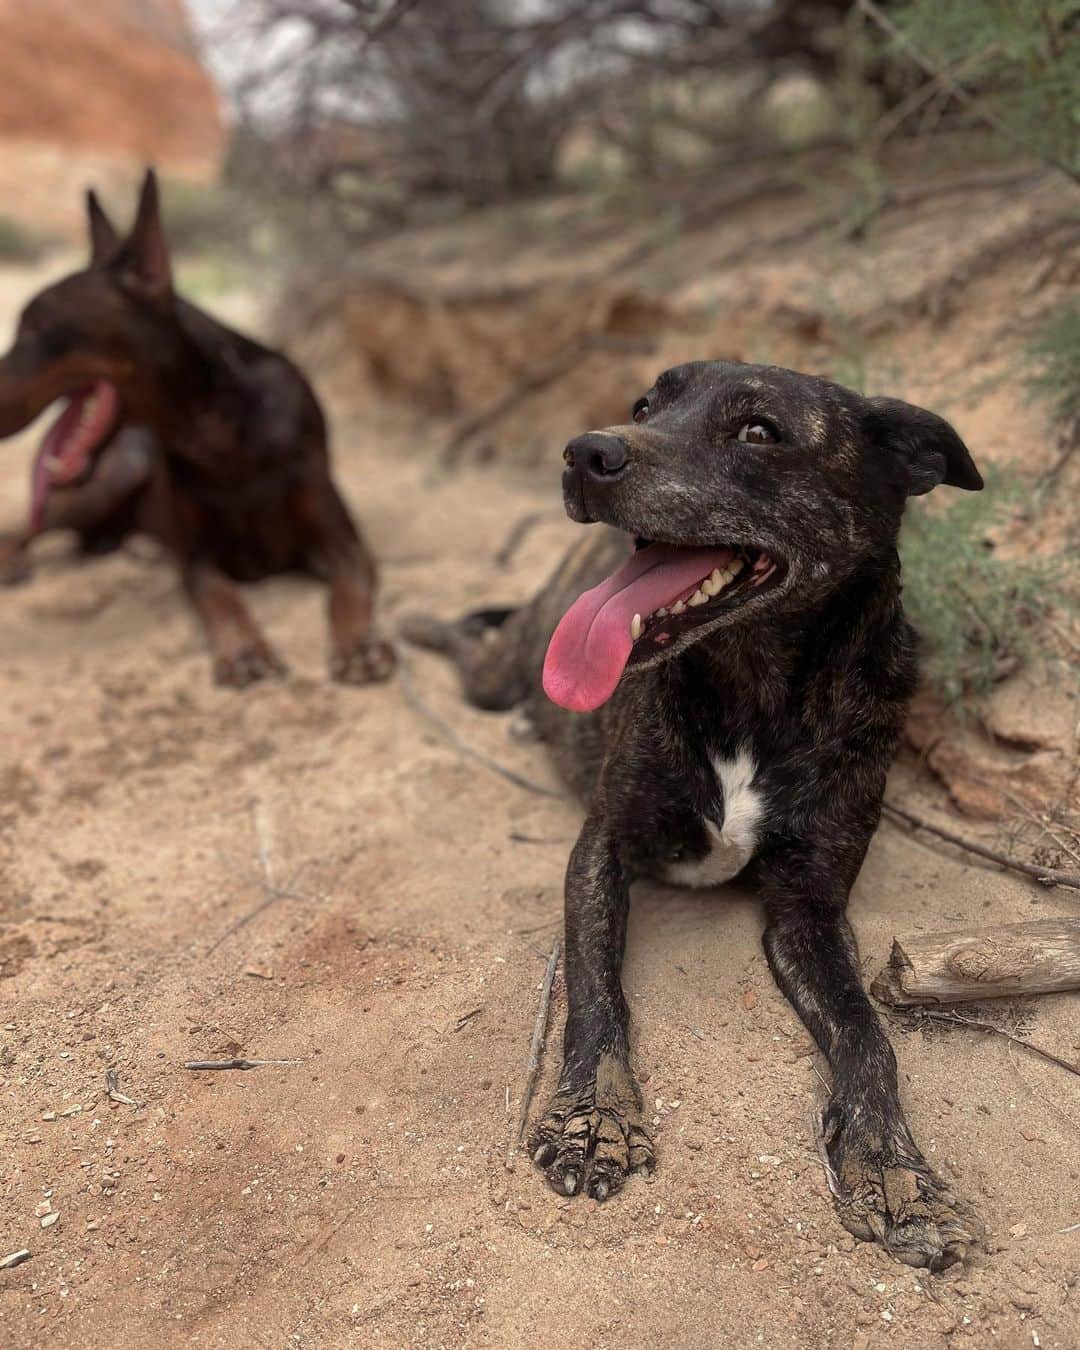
<point>738,676</point>
<point>179,428</point>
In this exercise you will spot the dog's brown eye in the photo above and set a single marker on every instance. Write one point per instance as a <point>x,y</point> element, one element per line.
<point>641,410</point>
<point>757,433</point>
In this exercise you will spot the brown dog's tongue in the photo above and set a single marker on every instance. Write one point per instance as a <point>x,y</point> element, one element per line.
<point>591,645</point>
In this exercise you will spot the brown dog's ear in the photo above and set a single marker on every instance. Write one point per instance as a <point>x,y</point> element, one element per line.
<point>143,261</point>
<point>104,241</point>
<point>925,445</point>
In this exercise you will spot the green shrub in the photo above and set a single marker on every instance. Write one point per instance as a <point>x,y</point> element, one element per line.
<point>976,609</point>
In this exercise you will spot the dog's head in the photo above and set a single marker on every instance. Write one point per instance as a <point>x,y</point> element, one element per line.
<point>749,491</point>
<point>91,339</point>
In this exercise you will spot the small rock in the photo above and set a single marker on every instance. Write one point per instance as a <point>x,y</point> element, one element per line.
<point>49,1219</point>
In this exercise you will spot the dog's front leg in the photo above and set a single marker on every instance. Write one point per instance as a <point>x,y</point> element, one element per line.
<point>592,1134</point>
<point>241,653</point>
<point>884,1188</point>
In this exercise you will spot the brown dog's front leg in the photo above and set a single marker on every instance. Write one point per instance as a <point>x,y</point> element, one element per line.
<point>241,653</point>
<point>592,1135</point>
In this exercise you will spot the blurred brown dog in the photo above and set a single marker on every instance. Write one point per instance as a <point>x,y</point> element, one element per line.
<point>178,427</point>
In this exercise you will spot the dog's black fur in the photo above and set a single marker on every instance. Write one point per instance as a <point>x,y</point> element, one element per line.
<point>809,674</point>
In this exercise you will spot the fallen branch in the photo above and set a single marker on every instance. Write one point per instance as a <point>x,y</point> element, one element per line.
<point>519,532</point>
<point>532,1069</point>
<point>532,382</point>
<point>1040,957</point>
<point>199,1064</point>
<point>1049,876</point>
<point>413,699</point>
<point>979,1025</point>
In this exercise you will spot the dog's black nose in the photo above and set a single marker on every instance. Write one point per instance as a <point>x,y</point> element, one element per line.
<point>597,455</point>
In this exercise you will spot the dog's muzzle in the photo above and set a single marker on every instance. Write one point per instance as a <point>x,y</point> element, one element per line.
<point>593,462</point>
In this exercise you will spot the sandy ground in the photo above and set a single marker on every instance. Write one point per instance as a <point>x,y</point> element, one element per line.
<point>311,873</point>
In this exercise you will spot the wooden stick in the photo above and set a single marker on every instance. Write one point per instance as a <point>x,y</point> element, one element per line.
<point>532,1069</point>
<point>15,1259</point>
<point>1040,957</point>
<point>1049,876</point>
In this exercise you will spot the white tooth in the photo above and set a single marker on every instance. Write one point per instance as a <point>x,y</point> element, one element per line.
<point>636,627</point>
<point>710,587</point>
<point>679,608</point>
<point>698,598</point>
<point>661,613</point>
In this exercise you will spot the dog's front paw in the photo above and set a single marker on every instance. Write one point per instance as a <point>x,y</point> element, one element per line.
<point>369,661</point>
<point>589,1141</point>
<point>247,665</point>
<point>886,1192</point>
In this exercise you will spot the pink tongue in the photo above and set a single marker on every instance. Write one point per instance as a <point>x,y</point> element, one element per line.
<point>591,646</point>
<point>67,445</point>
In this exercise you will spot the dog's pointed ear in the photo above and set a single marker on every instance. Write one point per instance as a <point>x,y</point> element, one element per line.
<point>924,445</point>
<point>104,240</point>
<point>143,260</point>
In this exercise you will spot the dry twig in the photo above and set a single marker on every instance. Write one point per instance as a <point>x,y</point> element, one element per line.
<point>1049,876</point>
<point>199,1064</point>
<point>414,700</point>
<point>932,1015</point>
<point>532,381</point>
<point>15,1259</point>
<point>112,1087</point>
<point>532,1069</point>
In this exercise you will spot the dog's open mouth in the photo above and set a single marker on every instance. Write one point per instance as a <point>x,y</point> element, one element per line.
<point>67,451</point>
<point>662,592</point>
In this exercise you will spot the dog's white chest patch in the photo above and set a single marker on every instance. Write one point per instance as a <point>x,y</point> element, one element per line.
<point>732,844</point>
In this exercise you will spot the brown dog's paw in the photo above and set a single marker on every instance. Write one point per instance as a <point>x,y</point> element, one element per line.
<point>369,661</point>
<point>590,1142</point>
<point>892,1197</point>
<point>238,669</point>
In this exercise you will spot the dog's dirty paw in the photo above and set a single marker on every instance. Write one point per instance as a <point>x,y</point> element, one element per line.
<point>589,1142</point>
<point>892,1197</point>
<point>236,670</point>
<point>15,567</point>
<point>368,662</point>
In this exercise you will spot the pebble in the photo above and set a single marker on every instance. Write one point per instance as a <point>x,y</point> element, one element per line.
<point>49,1220</point>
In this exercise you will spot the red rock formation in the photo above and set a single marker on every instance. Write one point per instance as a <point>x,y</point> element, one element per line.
<point>97,88</point>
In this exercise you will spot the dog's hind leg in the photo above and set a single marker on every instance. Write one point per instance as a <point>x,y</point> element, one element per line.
<point>340,555</point>
<point>884,1188</point>
<point>487,648</point>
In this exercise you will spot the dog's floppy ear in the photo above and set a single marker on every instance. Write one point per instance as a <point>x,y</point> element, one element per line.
<point>104,240</point>
<point>926,446</point>
<point>143,261</point>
